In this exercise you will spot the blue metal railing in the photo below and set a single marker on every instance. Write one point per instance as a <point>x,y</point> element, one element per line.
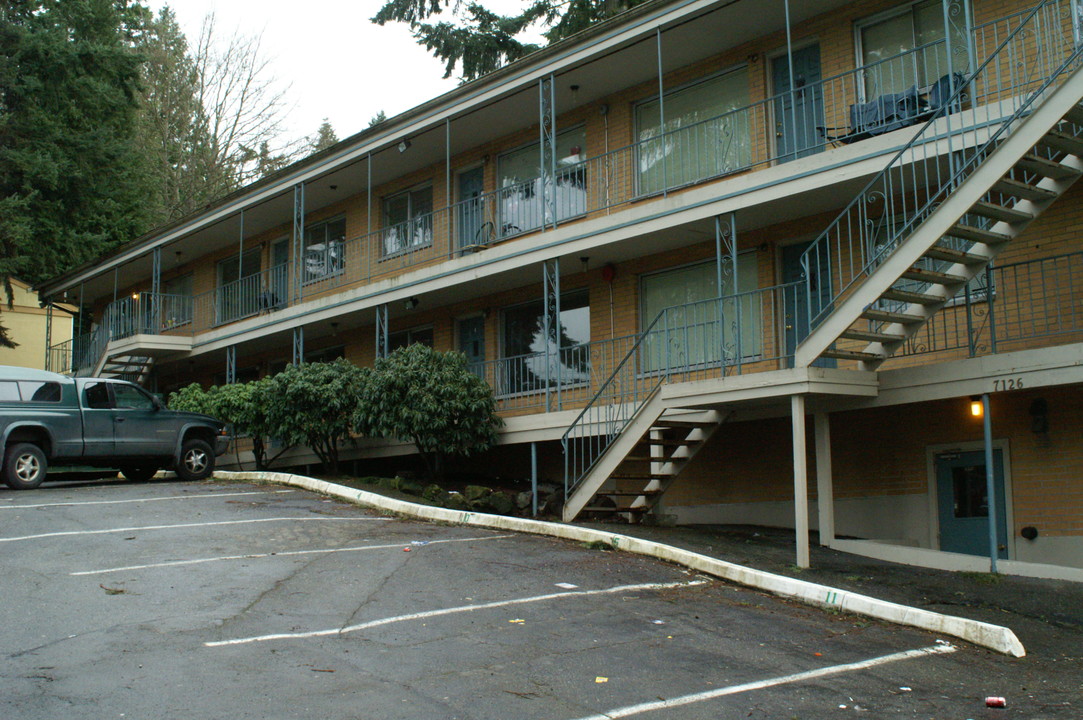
<point>1032,57</point>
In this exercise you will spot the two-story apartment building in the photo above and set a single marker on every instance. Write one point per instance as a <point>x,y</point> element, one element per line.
<point>727,261</point>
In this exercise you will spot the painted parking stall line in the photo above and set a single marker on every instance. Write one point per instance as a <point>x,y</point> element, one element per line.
<point>455,610</point>
<point>144,528</point>
<point>286,553</point>
<point>631,710</point>
<point>204,496</point>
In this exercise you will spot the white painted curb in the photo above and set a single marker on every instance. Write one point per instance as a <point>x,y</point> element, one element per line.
<point>986,635</point>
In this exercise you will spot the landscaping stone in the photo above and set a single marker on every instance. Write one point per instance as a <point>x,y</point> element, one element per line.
<point>501,503</point>
<point>474,493</point>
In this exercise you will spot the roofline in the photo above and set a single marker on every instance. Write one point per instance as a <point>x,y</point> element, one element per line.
<point>384,135</point>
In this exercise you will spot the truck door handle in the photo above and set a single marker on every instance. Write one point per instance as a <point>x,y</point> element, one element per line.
<point>119,419</point>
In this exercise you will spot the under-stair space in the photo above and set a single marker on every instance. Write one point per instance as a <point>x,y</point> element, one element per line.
<point>133,368</point>
<point>1014,180</point>
<point>642,476</point>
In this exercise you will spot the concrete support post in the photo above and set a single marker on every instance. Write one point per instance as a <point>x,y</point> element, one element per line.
<point>800,480</point>
<point>825,490</point>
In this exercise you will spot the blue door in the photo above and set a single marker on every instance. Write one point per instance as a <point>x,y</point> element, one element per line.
<point>472,343</point>
<point>796,316</point>
<point>963,503</point>
<point>472,229</point>
<point>798,113</point>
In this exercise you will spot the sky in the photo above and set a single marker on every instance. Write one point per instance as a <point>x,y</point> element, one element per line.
<point>337,64</point>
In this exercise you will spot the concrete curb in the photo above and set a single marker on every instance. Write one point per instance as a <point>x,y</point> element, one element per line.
<point>994,637</point>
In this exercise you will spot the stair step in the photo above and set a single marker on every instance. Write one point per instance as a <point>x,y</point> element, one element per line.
<point>909,296</point>
<point>663,424</point>
<point>597,508</point>
<point>641,476</point>
<point>939,252</point>
<point>1018,189</point>
<point>1075,115</point>
<point>870,336</point>
<point>1045,167</point>
<point>1063,142</point>
<point>891,317</point>
<point>670,443</point>
<point>644,458</point>
<point>629,493</point>
<point>1000,212</point>
<point>933,277</point>
<point>852,355</point>
<point>976,234</point>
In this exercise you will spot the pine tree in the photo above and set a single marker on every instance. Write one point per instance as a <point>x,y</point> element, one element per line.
<point>69,166</point>
<point>324,138</point>
<point>481,40</point>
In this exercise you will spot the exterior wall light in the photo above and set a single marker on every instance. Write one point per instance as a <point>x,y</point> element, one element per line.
<point>404,145</point>
<point>976,409</point>
<point>412,303</point>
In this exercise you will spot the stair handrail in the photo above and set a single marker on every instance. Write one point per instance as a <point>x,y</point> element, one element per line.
<point>618,413</point>
<point>817,257</point>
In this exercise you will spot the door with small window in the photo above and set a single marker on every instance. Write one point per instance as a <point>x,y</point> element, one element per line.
<point>963,503</point>
<point>471,341</point>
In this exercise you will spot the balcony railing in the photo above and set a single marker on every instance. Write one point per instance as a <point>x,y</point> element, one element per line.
<point>784,127</point>
<point>1013,307</point>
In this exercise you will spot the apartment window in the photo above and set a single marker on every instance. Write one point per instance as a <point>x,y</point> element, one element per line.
<point>706,133</point>
<point>525,189</point>
<point>697,329</point>
<point>407,221</point>
<point>421,336</point>
<point>526,349</point>
<point>906,47</point>
<point>237,295</point>
<point>323,249</point>
<point>326,355</point>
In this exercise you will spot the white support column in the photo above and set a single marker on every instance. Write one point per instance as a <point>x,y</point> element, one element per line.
<point>825,491</point>
<point>800,480</point>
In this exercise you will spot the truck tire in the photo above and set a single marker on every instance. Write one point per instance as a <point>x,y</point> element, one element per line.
<point>25,466</point>
<point>139,473</point>
<point>196,460</point>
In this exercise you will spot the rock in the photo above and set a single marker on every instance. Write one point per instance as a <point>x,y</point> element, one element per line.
<point>524,499</point>
<point>410,487</point>
<point>434,493</point>
<point>501,504</point>
<point>474,493</point>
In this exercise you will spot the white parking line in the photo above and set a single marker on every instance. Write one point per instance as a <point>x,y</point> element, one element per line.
<point>184,525</point>
<point>289,553</point>
<point>761,684</point>
<point>452,611</point>
<point>143,500</point>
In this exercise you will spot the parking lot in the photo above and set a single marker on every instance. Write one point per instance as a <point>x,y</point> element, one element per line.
<point>217,600</point>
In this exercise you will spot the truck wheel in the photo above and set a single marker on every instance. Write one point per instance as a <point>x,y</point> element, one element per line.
<point>196,461</point>
<point>139,473</point>
<point>24,466</point>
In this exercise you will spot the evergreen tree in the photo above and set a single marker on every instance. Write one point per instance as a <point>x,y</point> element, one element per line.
<point>482,40</point>
<point>70,169</point>
<point>324,138</point>
<point>377,118</point>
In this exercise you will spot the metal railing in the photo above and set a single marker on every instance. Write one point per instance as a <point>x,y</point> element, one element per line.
<point>1029,54</point>
<point>694,341</point>
<point>1007,308</point>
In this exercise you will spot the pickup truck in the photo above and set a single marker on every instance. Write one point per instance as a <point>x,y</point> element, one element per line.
<point>47,418</point>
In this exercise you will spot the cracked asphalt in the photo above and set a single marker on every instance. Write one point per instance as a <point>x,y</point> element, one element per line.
<point>218,600</point>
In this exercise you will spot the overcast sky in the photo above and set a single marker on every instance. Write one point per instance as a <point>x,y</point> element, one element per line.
<point>338,65</point>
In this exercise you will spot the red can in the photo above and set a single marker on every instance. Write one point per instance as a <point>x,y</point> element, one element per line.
<point>997,702</point>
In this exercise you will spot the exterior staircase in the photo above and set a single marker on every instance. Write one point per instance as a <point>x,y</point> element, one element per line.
<point>132,368</point>
<point>998,153</point>
<point>918,261</point>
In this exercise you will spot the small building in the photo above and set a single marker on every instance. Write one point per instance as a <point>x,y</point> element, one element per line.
<point>33,326</point>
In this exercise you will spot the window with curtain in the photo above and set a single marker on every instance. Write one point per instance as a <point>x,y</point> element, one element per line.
<point>323,249</point>
<point>526,348</point>
<point>706,133</point>
<point>697,328</point>
<point>907,48</point>
<point>407,221</point>
<point>523,186</point>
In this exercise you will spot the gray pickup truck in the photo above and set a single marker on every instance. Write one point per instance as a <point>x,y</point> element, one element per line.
<point>46,418</point>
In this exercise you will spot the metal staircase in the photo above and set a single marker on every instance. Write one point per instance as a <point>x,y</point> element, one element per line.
<point>968,183</point>
<point>133,368</point>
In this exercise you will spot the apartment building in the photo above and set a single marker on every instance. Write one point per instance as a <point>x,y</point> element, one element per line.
<point>721,262</point>
<point>33,327</point>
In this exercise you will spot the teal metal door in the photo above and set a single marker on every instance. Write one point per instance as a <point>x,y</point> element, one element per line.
<point>963,503</point>
<point>796,316</point>
<point>471,215</point>
<point>798,113</point>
